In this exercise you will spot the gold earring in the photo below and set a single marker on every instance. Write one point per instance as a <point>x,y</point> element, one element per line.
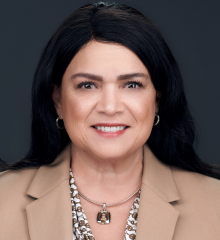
<point>57,123</point>
<point>158,119</point>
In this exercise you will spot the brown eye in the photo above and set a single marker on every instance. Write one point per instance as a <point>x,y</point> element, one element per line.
<point>134,84</point>
<point>86,85</point>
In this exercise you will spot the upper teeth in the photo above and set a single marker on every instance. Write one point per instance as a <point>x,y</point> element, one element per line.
<point>110,129</point>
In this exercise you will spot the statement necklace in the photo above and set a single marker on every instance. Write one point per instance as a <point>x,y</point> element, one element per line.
<point>103,217</point>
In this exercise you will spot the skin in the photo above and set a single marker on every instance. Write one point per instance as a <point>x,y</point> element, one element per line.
<point>106,169</point>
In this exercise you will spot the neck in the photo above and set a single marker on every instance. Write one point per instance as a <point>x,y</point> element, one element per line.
<point>106,178</point>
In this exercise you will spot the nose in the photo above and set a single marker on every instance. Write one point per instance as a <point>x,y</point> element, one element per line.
<point>110,101</point>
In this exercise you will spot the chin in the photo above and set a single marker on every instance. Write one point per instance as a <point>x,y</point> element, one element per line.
<point>111,152</point>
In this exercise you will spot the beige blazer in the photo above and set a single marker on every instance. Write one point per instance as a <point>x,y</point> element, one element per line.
<point>174,204</point>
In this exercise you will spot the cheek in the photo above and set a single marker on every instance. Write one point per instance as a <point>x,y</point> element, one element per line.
<point>75,111</point>
<point>74,107</point>
<point>143,109</point>
<point>74,114</point>
<point>143,114</point>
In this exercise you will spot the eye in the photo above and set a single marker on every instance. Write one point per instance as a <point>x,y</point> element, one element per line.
<point>86,85</point>
<point>134,84</point>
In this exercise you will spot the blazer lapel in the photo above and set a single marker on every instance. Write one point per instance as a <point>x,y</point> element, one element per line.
<point>157,217</point>
<point>49,215</point>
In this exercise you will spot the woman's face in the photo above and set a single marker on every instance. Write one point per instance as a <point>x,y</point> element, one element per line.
<point>105,89</point>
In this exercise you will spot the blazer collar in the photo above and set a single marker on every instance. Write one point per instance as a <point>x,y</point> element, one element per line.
<point>49,176</point>
<point>156,216</point>
<point>158,176</point>
<point>50,215</point>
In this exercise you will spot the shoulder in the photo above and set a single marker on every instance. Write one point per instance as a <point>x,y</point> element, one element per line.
<point>15,182</point>
<point>13,200</point>
<point>198,206</point>
<point>194,179</point>
<point>9,177</point>
<point>202,188</point>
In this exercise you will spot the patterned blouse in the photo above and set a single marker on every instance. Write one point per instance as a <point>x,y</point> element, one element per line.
<point>81,228</point>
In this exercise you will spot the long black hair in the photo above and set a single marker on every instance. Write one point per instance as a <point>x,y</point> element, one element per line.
<point>110,22</point>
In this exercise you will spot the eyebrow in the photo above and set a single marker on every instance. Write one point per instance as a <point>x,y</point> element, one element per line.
<point>120,77</point>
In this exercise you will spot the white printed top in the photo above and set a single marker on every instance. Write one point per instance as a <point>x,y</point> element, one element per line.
<point>81,228</point>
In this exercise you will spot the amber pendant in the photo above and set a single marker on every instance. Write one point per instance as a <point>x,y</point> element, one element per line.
<point>103,216</point>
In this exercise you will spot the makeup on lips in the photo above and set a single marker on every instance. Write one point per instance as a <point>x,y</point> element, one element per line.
<point>110,129</point>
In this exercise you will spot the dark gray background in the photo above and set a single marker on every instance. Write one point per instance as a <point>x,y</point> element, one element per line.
<point>191,28</point>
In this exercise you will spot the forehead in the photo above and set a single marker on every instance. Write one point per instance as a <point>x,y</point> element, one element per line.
<point>106,58</point>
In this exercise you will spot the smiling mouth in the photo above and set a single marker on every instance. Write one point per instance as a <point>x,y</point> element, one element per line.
<point>110,129</point>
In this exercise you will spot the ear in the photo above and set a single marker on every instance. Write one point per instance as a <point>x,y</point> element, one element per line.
<point>56,95</point>
<point>158,96</point>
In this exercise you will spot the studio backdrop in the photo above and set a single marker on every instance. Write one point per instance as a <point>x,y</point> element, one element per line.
<point>190,27</point>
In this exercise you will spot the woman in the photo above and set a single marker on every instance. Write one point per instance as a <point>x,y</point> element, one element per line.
<point>112,140</point>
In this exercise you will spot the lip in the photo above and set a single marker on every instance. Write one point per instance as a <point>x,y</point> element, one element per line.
<point>110,134</point>
<point>110,124</point>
